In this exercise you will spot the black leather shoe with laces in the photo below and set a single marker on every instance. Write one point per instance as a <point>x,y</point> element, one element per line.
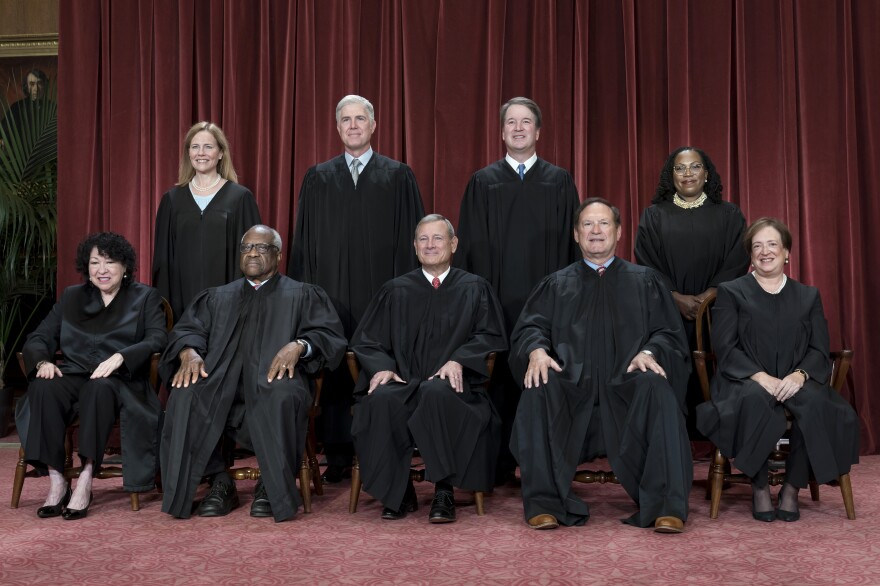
<point>443,507</point>
<point>220,501</point>
<point>261,507</point>
<point>410,505</point>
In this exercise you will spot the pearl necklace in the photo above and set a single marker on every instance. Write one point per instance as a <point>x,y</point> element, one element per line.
<point>689,205</point>
<point>197,187</point>
<point>781,285</point>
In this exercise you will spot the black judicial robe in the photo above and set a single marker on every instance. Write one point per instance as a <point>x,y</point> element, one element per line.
<point>593,327</point>
<point>350,240</point>
<point>756,331</point>
<point>238,331</point>
<point>195,250</point>
<point>693,250</point>
<point>412,329</point>
<point>513,233</point>
<point>88,333</point>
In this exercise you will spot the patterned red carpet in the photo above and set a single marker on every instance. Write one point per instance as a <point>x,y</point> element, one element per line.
<point>117,546</point>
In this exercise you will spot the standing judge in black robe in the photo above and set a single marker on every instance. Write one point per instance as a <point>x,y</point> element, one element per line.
<point>604,363</point>
<point>201,220</point>
<point>250,341</point>
<point>514,230</point>
<point>353,231</point>
<point>107,330</point>
<point>771,338</point>
<point>422,345</point>
<point>693,238</point>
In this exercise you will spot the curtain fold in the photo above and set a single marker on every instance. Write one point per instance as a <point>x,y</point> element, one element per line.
<point>778,93</point>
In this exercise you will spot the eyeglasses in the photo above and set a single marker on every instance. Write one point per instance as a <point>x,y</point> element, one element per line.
<point>261,248</point>
<point>682,169</point>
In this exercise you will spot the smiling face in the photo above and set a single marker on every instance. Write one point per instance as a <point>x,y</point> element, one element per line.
<point>690,183</point>
<point>520,132</point>
<point>434,247</point>
<point>355,129</point>
<point>105,273</point>
<point>768,253</point>
<point>204,153</point>
<point>259,266</point>
<point>596,233</point>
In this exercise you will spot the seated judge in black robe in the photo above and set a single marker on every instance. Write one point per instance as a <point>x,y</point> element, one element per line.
<point>377,214</point>
<point>771,339</point>
<point>252,342</point>
<point>604,362</point>
<point>422,346</point>
<point>693,238</point>
<point>201,220</point>
<point>513,232</point>
<point>107,329</point>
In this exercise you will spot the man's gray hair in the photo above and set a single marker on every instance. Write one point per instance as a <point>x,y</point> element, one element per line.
<point>276,237</point>
<point>360,101</point>
<point>435,218</point>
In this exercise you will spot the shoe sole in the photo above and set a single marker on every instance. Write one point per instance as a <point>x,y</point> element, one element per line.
<point>234,506</point>
<point>439,520</point>
<point>548,525</point>
<point>668,530</point>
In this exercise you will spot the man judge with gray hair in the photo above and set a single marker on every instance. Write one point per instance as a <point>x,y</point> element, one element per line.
<point>356,215</point>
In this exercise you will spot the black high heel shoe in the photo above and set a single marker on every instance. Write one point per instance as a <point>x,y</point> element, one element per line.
<point>787,516</point>
<point>48,511</point>
<point>766,516</point>
<point>74,514</point>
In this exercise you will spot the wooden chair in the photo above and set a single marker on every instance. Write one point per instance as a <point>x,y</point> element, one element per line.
<point>309,472</point>
<point>720,472</point>
<point>71,471</point>
<point>415,474</point>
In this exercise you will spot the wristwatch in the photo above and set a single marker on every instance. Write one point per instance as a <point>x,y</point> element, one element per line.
<point>803,372</point>
<point>648,352</point>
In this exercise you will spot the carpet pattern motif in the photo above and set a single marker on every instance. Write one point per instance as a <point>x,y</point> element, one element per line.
<point>117,546</point>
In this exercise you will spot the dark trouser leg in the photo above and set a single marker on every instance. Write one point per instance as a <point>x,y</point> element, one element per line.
<point>51,404</point>
<point>278,421</point>
<point>505,394</point>
<point>98,408</point>
<point>384,446</point>
<point>457,435</point>
<point>797,465</point>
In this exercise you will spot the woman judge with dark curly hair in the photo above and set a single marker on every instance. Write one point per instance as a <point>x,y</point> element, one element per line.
<point>692,237</point>
<point>771,338</point>
<point>201,220</point>
<point>107,329</point>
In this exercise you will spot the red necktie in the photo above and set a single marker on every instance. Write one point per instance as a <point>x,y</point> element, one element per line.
<point>436,282</point>
<point>601,270</point>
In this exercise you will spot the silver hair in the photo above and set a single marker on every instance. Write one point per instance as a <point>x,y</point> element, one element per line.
<point>353,99</point>
<point>435,218</point>
<point>276,237</point>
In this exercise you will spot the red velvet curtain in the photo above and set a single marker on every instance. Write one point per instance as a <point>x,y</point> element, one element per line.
<point>779,93</point>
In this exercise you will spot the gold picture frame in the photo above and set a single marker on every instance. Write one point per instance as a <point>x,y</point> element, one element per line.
<point>28,45</point>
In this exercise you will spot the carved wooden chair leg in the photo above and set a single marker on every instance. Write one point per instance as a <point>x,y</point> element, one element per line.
<point>709,483</point>
<point>305,485</point>
<point>18,482</point>
<point>717,476</point>
<point>355,486</point>
<point>135,502</point>
<point>846,492</point>
<point>478,498</point>
<point>814,490</point>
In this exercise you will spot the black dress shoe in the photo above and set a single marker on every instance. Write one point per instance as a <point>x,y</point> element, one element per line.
<point>442,508</point>
<point>335,474</point>
<point>410,504</point>
<point>47,511</point>
<point>787,516</point>
<point>75,514</point>
<point>766,516</point>
<point>220,501</point>
<point>261,507</point>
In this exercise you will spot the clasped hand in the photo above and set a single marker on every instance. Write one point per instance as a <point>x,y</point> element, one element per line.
<point>783,389</point>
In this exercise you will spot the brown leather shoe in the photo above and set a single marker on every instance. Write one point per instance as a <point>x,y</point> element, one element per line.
<point>668,525</point>
<point>544,521</point>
